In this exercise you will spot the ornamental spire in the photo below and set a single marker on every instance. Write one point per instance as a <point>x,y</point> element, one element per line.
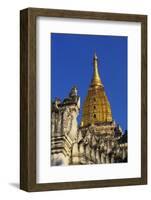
<point>96,81</point>
<point>96,108</point>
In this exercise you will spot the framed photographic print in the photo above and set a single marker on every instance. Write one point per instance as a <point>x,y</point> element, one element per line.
<point>83,99</point>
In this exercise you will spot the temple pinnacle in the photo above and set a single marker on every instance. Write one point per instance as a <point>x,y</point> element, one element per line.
<point>96,108</point>
<point>96,81</point>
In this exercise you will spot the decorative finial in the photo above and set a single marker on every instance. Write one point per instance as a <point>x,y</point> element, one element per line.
<point>96,81</point>
<point>95,56</point>
<point>73,92</point>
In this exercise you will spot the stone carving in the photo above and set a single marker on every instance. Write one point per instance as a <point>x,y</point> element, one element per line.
<point>64,128</point>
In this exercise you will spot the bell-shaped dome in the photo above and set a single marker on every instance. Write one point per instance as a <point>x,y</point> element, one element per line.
<point>96,107</point>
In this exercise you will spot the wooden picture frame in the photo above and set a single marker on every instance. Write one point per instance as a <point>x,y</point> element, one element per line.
<point>28,98</point>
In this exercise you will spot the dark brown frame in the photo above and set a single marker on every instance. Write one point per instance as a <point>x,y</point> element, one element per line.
<point>28,98</point>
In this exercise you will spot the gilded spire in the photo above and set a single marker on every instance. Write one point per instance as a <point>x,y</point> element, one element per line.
<point>96,81</point>
<point>96,108</point>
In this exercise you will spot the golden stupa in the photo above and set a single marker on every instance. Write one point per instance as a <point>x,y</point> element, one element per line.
<point>96,108</point>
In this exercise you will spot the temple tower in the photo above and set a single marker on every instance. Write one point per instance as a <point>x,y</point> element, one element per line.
<point>96,108</point>
<point>98,132</point>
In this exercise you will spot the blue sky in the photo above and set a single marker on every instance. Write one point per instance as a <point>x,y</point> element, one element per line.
<point>71,65</point>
